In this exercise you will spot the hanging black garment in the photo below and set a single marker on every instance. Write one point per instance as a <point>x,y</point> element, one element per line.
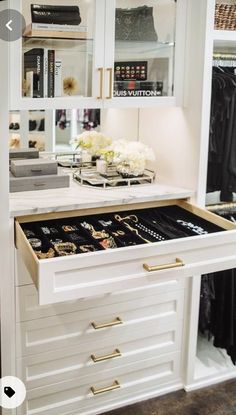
<point>222,139</point>
<point>206,298</point>
<point>224,312</point>
<point>217,316</point>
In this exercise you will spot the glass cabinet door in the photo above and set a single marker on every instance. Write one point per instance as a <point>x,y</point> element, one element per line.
<point>144,48</point>
<point>62,51</point>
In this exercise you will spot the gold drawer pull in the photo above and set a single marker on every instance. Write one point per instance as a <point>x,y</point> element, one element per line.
<point>115,385</point>
<point>178,263</point>
<point>110,70</point>
<point>116,353</point>
<point>105,325</point>
<point>100,70</point>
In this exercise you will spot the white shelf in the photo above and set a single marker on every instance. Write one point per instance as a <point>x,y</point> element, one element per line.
<point>57,103</point>
<point>224,38</point>
<point>143,50</point>
<point>36,132</point>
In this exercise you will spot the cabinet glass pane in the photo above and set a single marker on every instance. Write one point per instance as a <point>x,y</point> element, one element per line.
<point>58,57</point>
<point>144,48</point>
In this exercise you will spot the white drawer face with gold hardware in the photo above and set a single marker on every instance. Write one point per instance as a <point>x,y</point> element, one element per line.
<point>27,307</point>
<point>108,386</point>
<point>76,276</point>
<point>64,364</point>
<point>95,324</point>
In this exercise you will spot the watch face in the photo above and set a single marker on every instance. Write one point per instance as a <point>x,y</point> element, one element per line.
<point>131,70</point>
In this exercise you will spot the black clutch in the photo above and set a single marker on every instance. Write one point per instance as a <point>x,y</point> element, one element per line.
<point>135,24</point>
<point>63,15</point>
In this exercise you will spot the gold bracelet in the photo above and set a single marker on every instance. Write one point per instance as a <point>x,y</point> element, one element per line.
<point>87,248</point>
<point>65,248</point>
<point>45,255</point>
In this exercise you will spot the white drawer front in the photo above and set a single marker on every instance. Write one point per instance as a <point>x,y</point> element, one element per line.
<point>69,396</point>
<point>59,365</point>
<point>85,275</point>
<point>74,328</point>
<point>27,307</point>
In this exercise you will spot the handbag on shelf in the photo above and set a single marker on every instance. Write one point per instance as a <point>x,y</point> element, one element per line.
<point>50,14</point>
<point>135,24</point>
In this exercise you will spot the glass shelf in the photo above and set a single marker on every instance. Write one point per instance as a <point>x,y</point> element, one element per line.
<point>57,43</point>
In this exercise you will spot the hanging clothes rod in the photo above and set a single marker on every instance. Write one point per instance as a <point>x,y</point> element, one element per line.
<point>224,59</point>
<point>222,206</point>
<point>224,56</point>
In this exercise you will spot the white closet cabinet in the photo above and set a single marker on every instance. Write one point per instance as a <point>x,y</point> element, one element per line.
<point>111,64</point>
<point>85,343</point>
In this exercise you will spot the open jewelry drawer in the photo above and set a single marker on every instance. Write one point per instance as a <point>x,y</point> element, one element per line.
<point>208,246</point>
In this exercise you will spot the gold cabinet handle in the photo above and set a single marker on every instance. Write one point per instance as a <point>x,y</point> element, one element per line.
<point>105,325</point>
<point>178,263</point>
<point>115,385</point>
<point>96,359</point>
<point>110,70</point>
<point>100,70</point>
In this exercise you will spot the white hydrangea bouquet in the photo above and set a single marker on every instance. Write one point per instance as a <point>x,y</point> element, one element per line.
<point>93,142</point>
<point>131,157</point>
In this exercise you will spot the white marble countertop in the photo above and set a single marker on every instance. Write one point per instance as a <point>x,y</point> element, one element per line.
<point>78,197</point>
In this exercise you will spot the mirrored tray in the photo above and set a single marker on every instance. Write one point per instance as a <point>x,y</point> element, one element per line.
<point>89,177</point>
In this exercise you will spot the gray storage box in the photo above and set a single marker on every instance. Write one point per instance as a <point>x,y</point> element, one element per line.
<point>24,184</point>
<point>23,153</point>
<point>33,167</point>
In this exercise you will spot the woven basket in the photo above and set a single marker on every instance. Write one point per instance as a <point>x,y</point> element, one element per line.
<point>225,16</point>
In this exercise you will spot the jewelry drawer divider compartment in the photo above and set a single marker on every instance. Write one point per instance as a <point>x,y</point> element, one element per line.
<point>88,274</point>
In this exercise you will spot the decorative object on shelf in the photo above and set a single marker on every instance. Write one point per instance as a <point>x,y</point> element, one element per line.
<point>225,16</point>
<point>70,86</point>
<point>137,71</point>
<point>104,161</point>
<point>134,88</point>
<point>25,88</point>
<point>86,156</point>
<point>55,14</point>
<point>101,166</point>
<point>55,21</point>
<point>14,126</point>
<point>93,142</point>
<point>88,176</point>
<point>135,24</point>
<point>34,72</point>
<point>131,157</point>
